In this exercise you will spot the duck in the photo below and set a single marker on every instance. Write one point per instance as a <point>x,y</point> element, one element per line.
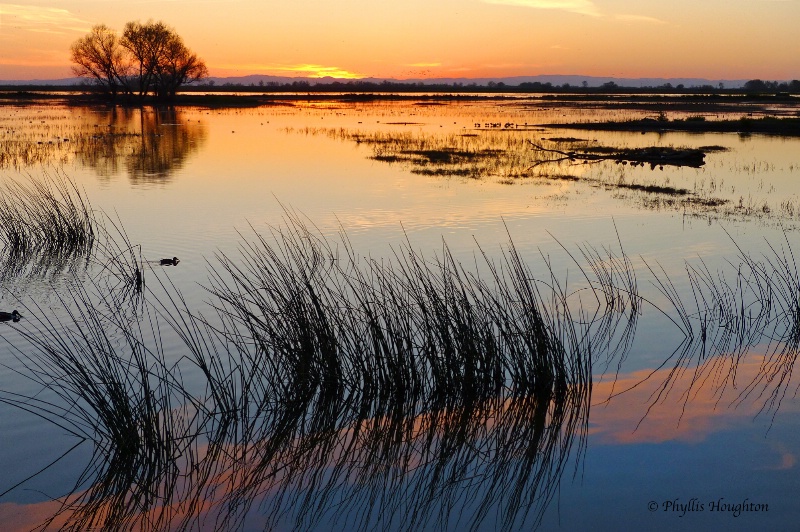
<point>10,316</point>
<point>170,262</point>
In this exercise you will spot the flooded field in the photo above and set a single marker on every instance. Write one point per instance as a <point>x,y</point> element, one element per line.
<point>401,314</point>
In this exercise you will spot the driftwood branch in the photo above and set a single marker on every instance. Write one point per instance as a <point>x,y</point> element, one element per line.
<point>654,156</point>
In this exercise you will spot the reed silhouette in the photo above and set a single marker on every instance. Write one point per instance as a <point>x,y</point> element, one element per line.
<point>331,385</point>
<point>330,388</point>
<point>46,227</point>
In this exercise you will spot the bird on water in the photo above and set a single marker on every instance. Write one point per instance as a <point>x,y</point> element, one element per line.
<point>170,262</point>
<point>10,316</point>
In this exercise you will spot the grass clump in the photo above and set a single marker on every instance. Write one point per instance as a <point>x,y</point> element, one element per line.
<point>46,222</point>
<point>409,392</point>
<point>330,386</point>
<point>767,125</point>
<point>103,381</point>
<point>726,315</point>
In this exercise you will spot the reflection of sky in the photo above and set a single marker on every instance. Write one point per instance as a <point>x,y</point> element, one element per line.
<point>705,448</point>
<point>687,411</point>
<point>615,484</point>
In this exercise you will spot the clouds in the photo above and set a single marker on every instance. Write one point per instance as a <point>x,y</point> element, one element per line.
<point>639,18</point>
<point>583,7</point>
<point>41,19</point>
<point>34,40</point>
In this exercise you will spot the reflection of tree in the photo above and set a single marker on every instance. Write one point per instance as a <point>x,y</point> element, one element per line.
<point>149,144</point>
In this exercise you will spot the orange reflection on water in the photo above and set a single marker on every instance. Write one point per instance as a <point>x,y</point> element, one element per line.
<point>24,517</point>
<point>693,405</point>
<point>378,444</point>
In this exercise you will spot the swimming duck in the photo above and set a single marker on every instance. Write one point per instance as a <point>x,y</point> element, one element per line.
<point>10,316</point>
<point>170,262</point>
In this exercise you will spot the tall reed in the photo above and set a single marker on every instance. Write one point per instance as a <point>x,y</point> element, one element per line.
<point>46,222</point>
<point>330,385</point>
<point>408,392</point>
<point>756,306</point>
<point>397,377</point>
<point>104,378</point>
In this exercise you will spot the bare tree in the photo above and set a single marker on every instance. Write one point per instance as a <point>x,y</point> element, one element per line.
<point>155,58</point>
<point>177,66</point>
<point>98,55</point>
<point>165,63</point>
<point>141,42</point>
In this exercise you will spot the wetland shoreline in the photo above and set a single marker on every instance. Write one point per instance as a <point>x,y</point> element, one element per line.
<point>262,96</point>
<point>766,125</point>
<point>293,366</point>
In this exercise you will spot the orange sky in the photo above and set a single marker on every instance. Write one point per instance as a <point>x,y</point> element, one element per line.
<point>715,39</point>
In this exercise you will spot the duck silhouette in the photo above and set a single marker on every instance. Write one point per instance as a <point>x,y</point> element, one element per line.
<point>10,316</point>
<point>170,262</point>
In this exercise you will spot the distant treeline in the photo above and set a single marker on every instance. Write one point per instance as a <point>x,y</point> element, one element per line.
<point>752,87</point>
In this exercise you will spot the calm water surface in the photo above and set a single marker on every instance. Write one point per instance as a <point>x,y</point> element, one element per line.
<point>193,182</point>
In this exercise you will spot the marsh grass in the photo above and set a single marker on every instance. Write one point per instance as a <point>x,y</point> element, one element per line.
<point>46,225</point>
<point>104,380</point>
<point>119,263</point>
<point>377,360</point>
<point>329,385</point>
<point>512,156</point>
<point>406,392</point>
<point>754,307</point>
<point>507,157</point>
<point>767,125</point>
<point>149,144</point>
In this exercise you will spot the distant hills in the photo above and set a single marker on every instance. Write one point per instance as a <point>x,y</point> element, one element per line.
<point>555,80</point>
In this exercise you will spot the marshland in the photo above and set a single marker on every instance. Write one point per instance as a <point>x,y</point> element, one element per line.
<point>399,313</point>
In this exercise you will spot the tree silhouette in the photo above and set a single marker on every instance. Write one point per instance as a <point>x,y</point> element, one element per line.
<point>149,58</point>
<point>98,55</point>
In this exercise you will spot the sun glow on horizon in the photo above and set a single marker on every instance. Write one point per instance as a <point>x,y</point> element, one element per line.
<point>306,70</point>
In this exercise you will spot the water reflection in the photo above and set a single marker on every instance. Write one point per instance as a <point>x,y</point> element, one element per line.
<point>48,231</point>
<point>408,394</point>
<point>691,412</point>
<point>150,145</point>
<point>303,449</point>
<point>405,394</point>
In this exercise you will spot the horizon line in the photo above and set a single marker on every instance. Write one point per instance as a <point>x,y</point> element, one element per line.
<point>431,79</point>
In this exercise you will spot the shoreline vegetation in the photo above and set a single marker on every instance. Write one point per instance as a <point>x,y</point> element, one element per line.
<point>751,88</point>
<point>757,112</point>
<point>302,90</point>
<point>767,125</point>
<point>507,152</point>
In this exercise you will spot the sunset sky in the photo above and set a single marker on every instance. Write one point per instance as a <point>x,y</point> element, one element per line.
<point>715,39</point>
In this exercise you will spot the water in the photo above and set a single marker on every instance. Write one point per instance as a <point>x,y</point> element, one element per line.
<point>191,182</point>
